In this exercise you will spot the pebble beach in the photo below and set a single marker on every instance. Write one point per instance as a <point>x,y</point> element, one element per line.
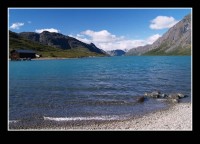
<point>176,118</point>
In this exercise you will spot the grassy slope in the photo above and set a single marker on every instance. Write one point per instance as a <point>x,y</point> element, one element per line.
<point>70,53</point>
<point>48,51</point>
<point>163,47</point>
<point>186,51</point>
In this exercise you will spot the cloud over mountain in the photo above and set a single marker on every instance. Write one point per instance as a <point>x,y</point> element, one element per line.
<point>108,41</point>
<point>16,25</point>
<point>47,29</point>
<point>162,22</point>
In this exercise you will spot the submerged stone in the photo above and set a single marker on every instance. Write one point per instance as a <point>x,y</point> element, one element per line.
<point>141,99</point>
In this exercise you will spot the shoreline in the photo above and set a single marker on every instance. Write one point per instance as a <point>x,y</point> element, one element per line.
<point>56,58</point>
<point>177,117</point>
<point>47,58</point>
<point>63,58</point>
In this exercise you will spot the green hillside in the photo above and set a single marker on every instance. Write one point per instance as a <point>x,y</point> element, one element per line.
<point>18,42</point>
<point>163,47</point>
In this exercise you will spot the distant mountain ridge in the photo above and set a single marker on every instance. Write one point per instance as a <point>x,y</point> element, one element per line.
<point>176,41</point>
<point>53,44</point>
<point>58,40</point>
<point>116,53</point>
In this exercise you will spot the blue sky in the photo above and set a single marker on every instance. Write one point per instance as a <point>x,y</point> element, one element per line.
<point>107,28</point>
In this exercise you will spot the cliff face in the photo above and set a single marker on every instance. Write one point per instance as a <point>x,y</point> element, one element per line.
<point>30,35</point>
<point>138,50</point>
<point>176,41</point>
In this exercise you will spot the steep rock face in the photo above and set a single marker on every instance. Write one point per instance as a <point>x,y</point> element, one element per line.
<point>138,51</point>
<point>93,48</point>
<point>58,40</point>
<point>54,40</point>
<point>30,35</point>
<point>116,52</point>
<point>177,41</point>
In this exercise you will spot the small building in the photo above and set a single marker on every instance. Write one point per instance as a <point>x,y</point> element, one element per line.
<point>22,54</point>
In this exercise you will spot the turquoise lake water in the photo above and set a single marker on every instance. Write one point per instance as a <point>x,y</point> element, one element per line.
<point>100,88</point>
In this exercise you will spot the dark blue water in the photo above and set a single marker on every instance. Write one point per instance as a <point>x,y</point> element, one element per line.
<point>93,88</point>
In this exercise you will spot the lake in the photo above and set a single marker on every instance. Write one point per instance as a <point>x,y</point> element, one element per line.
<point>98,88</point>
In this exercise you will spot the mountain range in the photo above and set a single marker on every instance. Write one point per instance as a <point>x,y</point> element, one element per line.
<point>176,41</point>
<point>116,52</point>
<point>53,44</point>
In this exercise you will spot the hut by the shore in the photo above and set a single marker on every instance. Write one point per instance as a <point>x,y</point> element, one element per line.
<point>22,54</point>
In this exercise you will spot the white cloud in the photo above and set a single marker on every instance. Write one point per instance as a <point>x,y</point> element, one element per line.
<point>100,36</point>
<point>162,22</point>
<point>29,22</point>
<point>16,25</point>
<point>122,44</point>
<point>107,41</point>
<point>153,38</point>
<point>49,30</point>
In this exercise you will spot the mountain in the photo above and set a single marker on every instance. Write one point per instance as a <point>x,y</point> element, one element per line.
<point>138,50</point>
<point>58,40</point>
<point>52,44</point>
<point>18,42</point>
<point>176,41</point>
<point>116,53</point>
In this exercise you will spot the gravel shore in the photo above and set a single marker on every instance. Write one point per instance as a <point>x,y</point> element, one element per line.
<point>177,117</point>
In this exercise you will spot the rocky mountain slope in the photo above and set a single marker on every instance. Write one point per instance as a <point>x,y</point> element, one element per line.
<point>52,44</point>
<point>176,41</point>
<point>58,40</point>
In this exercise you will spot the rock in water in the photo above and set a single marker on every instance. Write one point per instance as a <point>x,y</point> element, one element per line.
<point>155,94</point>
<point>173,100</point>
<point>163,95</point>
<point>180,95</point>
<point>173,96</point>
<point>141,99</point>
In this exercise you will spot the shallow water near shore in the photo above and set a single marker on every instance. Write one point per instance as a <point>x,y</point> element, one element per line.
<point>54,92</point>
